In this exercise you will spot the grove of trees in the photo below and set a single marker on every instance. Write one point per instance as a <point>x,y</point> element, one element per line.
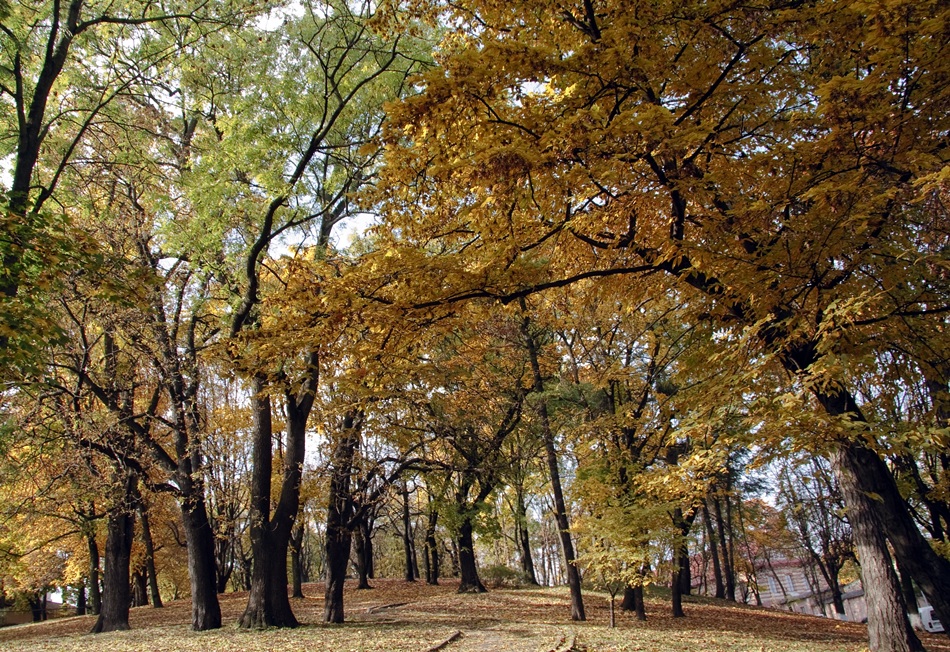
<point>599,293</point>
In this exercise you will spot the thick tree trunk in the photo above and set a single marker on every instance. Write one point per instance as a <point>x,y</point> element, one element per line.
<point>339,515</point>
<point>468,570</point>
<point>888,627</point>
<point>81,599</point>
<point>338,557</point>
<point>199,538</point>
<point>633,601</point>
<point>150,570</point>
<point>868,476</point>
<point>116,598</point>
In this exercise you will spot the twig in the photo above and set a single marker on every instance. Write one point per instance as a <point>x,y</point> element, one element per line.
<point>454,637</point>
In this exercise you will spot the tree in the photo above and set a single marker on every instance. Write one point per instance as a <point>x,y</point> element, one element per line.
<point>55,88</point>
<point>346,75</point>
<point>761,159</point>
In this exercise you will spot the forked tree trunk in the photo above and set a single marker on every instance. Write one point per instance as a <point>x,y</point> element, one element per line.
<point>468,569</point>
<point>866,474</point>
<point>268,604</point>
<point>679,553</point>
<point>728,569</point>
<point>116,597</point>
<point>889,629</point>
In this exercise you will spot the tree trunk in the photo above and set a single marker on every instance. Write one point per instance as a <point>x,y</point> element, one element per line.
<point>560,509</point>
<point>407,543</point>
<point>910,597</point>
<point>728,569</point>
<point>680,555</point>
<point>81,599</point>
<point>431,547</point>
<point>202,574</point>
<point>868,476</point>
<point>523,538</point>
<point>339,515</point>
<point>468,570</point>
<point>296,557</point>
<point>139,588</point>
<point>95,595</point>
<point>150,571</point>
<point>888,627</point>
<point>268,604</point>
<point>714,552</point>
<point>116,598</point>
<point>361,550</point>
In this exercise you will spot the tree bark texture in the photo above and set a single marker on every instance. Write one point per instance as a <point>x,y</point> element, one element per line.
<point>339,516</point>
<point>116,594</point>
<point>468,570</point>
<point>889,629</point>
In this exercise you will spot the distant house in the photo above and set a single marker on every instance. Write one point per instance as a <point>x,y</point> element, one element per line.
<point>13,616</point>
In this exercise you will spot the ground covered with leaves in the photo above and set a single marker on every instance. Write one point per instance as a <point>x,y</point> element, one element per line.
<point>398,616</point>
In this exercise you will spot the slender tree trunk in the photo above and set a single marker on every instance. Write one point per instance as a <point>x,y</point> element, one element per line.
<point>523,537</point>
<point>95,595</point>
<point>714,552</point>
<point>362,566</point>
<point>468,570</point>
<point>139,587</point>
<point>560,508</point>
<point>407,534</point>
<point>81,599</point>
<point>431,547</point>
<point>150,571</point>
<point>679,553</point>
<point>728,569</point>
<point>296,557</point>
<point>116,598</point>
